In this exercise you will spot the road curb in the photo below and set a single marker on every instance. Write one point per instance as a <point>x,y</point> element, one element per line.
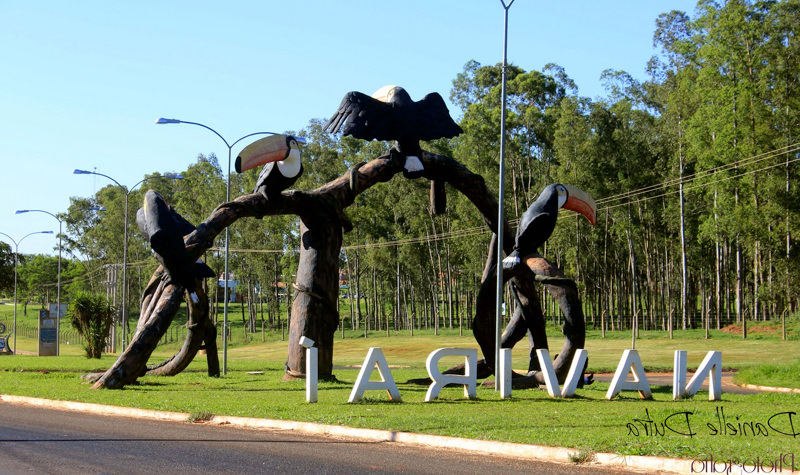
<point>509,449</point>
<point>771,389</point>
<point>101,409</point>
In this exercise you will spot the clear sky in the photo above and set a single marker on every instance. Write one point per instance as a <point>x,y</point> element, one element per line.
<point>82,82</point>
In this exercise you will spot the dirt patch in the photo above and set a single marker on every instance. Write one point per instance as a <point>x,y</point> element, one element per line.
<point>736,328</point>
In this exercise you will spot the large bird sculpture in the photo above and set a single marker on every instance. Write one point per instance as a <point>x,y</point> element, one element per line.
<point>391,114</point>
<point>165,229</point>
<point>539,220</point>
<point>280,155</point>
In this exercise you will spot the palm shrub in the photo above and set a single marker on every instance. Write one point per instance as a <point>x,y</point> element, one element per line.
<point>92,316</point>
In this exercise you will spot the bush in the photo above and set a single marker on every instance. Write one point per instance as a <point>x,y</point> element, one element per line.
<point>92,316</point>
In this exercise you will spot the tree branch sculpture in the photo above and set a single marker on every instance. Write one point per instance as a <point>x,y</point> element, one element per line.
<point>314,315</point>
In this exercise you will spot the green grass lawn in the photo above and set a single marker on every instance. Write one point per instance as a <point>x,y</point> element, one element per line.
<point>587,422</point>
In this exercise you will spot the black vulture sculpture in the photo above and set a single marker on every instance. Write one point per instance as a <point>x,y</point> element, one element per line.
<point>391,114</point>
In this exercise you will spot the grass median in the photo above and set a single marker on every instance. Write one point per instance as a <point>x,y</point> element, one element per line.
<point>740,426</point>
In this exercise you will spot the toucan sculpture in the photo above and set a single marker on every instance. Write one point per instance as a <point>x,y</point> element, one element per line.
<point>391,114</point>
<point>280,155</point>
<point>165,228</point>
<point>539,220</point>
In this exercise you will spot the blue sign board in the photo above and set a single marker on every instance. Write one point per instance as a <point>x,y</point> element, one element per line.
<point>48,335</point>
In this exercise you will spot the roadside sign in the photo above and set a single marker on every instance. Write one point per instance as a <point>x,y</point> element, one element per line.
<point>48,334</point>
<point>54,310</point>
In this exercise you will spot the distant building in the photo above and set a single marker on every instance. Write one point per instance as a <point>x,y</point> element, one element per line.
<point>232,283</point>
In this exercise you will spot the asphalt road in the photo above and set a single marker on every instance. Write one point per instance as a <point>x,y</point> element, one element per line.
<point>38,440</point>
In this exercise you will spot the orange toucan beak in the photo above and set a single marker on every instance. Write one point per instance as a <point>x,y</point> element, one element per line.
<point>581,202</point>
<point>269,149</point>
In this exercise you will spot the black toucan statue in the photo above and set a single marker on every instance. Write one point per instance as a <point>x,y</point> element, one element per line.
<point>391,114</point>
<point>280,155</point>
<point>164,229</point>
<point>539,220</point>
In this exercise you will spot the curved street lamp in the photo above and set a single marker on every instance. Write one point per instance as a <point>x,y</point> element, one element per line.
<point>16,262</point>
<point>162,120</point>
<point>58,291</point>
<point>127,192</point>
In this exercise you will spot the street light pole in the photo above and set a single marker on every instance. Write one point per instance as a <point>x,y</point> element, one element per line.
<point>58,291</point>
<point>16,263</point>
<point>500,213</point>
<point>162,120</point>
<point>127,191</point>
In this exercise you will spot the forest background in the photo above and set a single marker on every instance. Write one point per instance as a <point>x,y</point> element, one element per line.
<point>693,170</point>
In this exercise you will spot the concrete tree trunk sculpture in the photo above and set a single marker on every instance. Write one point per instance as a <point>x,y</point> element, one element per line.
<point>322,218</point>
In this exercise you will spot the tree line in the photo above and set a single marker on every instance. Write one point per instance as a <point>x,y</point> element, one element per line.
<point>693,170</point>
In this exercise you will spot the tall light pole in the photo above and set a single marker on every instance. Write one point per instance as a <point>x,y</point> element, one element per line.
<point>127,192</point>
<point>500,213</point>
<point>16,262</point>
<point>162,120</point>
<point>58,291</point>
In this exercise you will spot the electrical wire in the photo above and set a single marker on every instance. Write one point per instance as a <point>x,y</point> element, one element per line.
<point>628,196</point>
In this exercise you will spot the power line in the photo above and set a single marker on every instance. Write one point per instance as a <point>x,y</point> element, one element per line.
<point>701,185</point>
<point>628,195</point>
<point>691,177</point>
<point>481,230</point>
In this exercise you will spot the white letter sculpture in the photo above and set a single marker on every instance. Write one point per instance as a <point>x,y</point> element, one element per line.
<point>468,379</point>
<point>573,377</point>
<point>374,356</point>
<point>680,389</point>
<point>505,373</point>
<point>630,361</point>
<point>312,361</point>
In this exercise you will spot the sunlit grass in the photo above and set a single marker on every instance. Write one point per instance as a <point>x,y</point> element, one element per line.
<point>586,422</point>
<point>530,416</point>
<point>784,375</point>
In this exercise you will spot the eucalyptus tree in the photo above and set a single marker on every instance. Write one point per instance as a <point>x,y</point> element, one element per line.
<point>727,131</point>
<point>201,189</point>
<point>671,92</point>
<point>783,76</point>
<point>723,90</point>
<point>82,238</point>
<point>36,278</point>
<point>532,99</point>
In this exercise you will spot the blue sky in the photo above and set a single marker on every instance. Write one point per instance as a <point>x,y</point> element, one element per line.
<point>83,82</point>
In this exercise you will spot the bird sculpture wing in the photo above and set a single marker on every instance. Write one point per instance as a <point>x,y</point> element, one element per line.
<point>268,170</point>
<point>534,230</point>
<point>262,177</point>
<point>184,226</point>
<point>165,229</point>
<point>363,117</point>
<point>433,120</point>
